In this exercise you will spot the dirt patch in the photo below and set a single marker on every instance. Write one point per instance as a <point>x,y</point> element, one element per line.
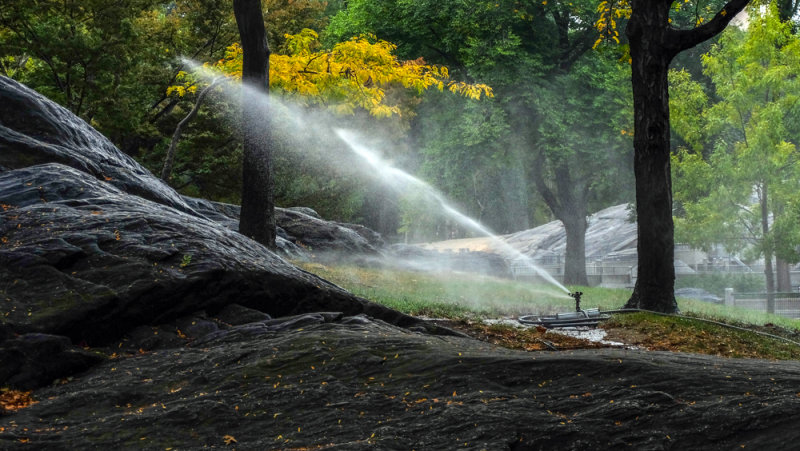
<point>524,338</point>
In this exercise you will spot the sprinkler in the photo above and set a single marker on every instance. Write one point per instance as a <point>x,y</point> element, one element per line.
<point>579,318</point>
<point>577,295</point>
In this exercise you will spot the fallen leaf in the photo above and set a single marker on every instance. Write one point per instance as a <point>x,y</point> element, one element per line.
<point>228,439</point>
<point>15,399</point>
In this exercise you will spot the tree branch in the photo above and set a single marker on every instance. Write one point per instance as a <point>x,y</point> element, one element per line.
<point>547,194</point>
<point>166,171</point>
<point>680,40</point>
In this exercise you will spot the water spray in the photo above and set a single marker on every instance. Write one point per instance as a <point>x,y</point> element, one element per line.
<point>392,174</point>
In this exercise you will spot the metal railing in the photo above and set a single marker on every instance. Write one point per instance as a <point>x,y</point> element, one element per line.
<point>784,304</point>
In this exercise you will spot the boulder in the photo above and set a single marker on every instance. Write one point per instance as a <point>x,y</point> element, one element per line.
<point>83,259</point>
<point>48,133</point>
<point>322,237</point>
<point>35,130</point>
<point>363,384</point>
<point>228,216</point>
<point>93,248</point>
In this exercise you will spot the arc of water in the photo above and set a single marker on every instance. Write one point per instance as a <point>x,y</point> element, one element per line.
<point>393,173</point>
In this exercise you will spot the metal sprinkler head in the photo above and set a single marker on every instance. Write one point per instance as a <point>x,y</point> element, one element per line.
<point>577,295</point>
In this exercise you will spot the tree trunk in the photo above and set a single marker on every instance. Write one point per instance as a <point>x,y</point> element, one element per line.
<point>655,283</point>
<point>575,264</point>
<point>568,204</point>
<point>783,276</point>
<point>257,219</point>
<point>653,44</point>
<point>763,198</point>
<point>786,9</point>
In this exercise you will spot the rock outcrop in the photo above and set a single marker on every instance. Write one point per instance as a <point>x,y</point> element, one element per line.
<point>143,321</point>
<point>34,130</point>
<point>359,384</point>
<point>93,246</point>
<point>610,234</point>
<point>335,240</point>
<point>89,261</point>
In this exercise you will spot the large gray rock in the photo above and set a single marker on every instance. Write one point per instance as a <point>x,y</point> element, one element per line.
<point>228,216</point>
<point>34,130</point>
<point>93,246</point>
<point>610,234</point>
<point>364,385</point>
<point>82,258</point>
<point>322,237</point>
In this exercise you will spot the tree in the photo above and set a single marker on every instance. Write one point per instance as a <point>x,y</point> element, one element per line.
<point>577,142</point>
<point>166,170</point>
<point>257,218</point>
<point>743,145</point>
<point>79,50</point>
<point>352,76</point>
<point>787,9</point>
<point>653,44</point>
<point>527,52</point>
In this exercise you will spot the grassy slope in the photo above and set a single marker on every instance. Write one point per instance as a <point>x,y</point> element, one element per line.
<point>467,297</point>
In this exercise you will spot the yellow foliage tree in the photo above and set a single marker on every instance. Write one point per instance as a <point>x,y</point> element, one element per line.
<point>352,75</point>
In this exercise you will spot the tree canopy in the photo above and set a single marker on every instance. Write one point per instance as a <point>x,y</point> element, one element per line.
<point>737,184</point>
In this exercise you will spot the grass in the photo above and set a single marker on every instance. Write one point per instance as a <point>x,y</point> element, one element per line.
<point>444,295</point>
<point>686,334</point>
<point>467,298</point>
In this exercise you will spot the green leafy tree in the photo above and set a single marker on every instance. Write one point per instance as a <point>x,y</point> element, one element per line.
<point>79,50</point>
<point>738,184</point>
<point>577,147</point>
<point>529,52</point>
<point>654,42</point>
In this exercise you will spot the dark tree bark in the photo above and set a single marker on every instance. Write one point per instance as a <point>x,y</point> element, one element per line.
<point>568,204</point>
<point>769,272</point>
<point>258,206</point>
<point>653,45</point>
<point>575,258</point>
<point>787,9</point>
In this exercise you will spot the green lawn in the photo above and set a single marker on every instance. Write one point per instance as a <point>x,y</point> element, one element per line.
<point>461,295</point>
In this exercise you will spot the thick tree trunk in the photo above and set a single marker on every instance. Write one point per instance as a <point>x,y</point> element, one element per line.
<point>653,44</point>
<point>783,275</point>
<point>568,204</point>
<point>258,207</point>
<point>655,283</point>
<point>575,264</point>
